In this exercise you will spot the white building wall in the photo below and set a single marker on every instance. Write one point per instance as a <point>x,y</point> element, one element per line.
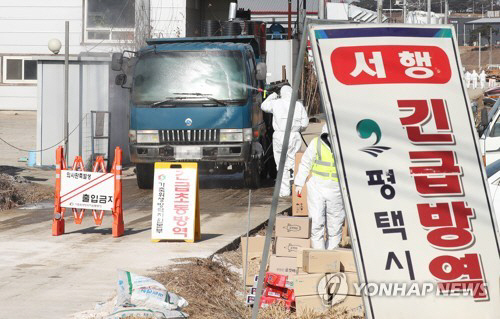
<point>168,18</point>
<point>15,97</point>
<point>280,53</point>
<point>26,26</point>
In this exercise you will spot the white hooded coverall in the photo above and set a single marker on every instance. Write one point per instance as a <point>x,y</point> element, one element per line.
<point>279,108</point>
<point>468,78</point>
<point>324,200</point>
<point>482,79</point>
<point>475,77</point>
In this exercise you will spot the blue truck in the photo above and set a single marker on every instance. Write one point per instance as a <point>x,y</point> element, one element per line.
<point>198,99</point>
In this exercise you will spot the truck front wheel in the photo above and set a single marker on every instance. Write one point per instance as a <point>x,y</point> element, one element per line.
<point>251,175</point>
<point>145,175</point>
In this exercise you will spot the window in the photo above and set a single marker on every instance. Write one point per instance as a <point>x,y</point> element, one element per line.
<point>19,70</point>
<point>495,130</point>
<point>218,74</point>
<point>109,20</point>
<point>251,62</point>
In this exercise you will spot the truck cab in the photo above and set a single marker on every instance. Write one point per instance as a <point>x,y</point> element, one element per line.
<point>489,132</point>
<point>198,99</point>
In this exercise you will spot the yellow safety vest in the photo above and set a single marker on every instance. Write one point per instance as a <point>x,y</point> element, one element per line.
<point>324,164</point>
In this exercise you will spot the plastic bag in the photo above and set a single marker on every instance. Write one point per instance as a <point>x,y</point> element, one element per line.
<point>135,312</point>
<point>144,292</point>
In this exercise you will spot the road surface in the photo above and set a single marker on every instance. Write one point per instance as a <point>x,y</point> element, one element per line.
<point>42,276</point>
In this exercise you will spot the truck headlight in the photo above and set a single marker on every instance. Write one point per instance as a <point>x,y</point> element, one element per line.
<point>149,136</point>
<point>231,135</point>
<point>247,134</point>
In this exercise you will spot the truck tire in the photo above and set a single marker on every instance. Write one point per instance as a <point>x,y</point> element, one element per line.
<point>251,175</point>
<point>271,168</point>
<point>145,175</point>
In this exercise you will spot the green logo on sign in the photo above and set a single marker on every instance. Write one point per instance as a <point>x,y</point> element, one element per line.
<point>366,128</point>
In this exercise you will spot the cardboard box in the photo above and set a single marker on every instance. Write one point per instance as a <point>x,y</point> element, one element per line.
<point>306,285</point>
<point>300,271</point>
<point>283,265</point>
<point>293,227</point>
<point>299,204</point>
<point>314,284</point>
<point>300,259</point>
<point>254,266</point>
<point>313,303</point>
<point>319,303</point>
<point>288,247</point>
<point>346,257</point>
<point>353,305</point>
<point>255,248</point>
<point>343,283</point>
<point>320,261</point>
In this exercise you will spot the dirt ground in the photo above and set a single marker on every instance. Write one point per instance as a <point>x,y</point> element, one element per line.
<point>470,57</point>
<point>17,190</point>
<point>19,129</point>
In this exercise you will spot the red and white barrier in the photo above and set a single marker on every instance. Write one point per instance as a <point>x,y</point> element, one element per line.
<point>81,190</point>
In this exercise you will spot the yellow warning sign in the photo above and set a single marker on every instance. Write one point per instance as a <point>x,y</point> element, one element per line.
<point>176,208</point>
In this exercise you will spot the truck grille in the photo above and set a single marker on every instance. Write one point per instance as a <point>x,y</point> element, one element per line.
<point>189,136</point>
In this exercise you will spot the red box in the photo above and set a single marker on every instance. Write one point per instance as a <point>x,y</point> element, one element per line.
<point>276,292</point>
<point>266,301</point>
<point>279,292</point>
<point>277,280</point>
<point>289,295</point>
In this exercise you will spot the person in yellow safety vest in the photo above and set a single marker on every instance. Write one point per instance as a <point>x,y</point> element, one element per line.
<point>324,200</point>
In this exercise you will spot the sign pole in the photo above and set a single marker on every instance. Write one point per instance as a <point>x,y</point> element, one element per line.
<point>286,140</point>
<point>246,250</point>
<point>479,61</point>
<point>66,88</point>
<point>379,10</point>
<point>428,11</point>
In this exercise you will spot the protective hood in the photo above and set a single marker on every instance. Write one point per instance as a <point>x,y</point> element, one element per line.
<point>324,130</point>
<point>286,92</point>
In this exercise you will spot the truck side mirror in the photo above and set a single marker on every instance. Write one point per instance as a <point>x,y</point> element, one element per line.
<point>261,71</point>
<point>121,79</point>
<point>116,61</point>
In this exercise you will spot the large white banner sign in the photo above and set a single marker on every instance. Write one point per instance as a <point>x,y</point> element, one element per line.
<point>423,228</point>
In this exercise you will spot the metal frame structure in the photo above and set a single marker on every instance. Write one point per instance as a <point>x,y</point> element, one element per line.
<point>93,136</point>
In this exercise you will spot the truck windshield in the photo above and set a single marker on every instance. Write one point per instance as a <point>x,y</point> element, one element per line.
<point>162,76</point>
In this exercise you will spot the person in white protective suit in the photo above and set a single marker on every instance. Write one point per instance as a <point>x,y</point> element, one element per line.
<point>324,200</point>
<point>468,78</point>
<point>482,79</point>
<point>279,106</point>
<point>475,77</point>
